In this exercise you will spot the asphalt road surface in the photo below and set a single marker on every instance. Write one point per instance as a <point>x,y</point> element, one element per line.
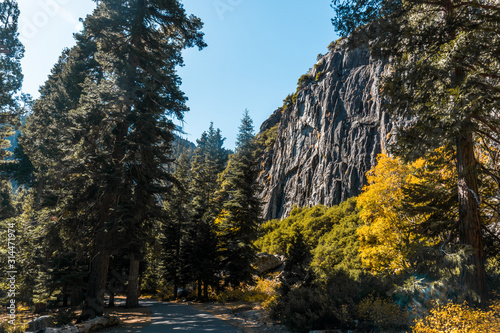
<point>171,317</point>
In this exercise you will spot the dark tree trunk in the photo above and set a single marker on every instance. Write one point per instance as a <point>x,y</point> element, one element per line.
<point>205,290</point>
<point>111,302</point>
<point>76,296</point>
<point>199,289</point>
<point>177,255</point>
<point>470,224</point>
<point>94,303</point>
<point>133,283</point>
<point>176,291</point>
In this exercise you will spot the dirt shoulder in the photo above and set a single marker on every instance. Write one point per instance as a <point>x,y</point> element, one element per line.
<point>131,318</point>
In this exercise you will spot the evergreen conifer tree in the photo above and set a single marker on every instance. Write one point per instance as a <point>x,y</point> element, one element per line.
<point>240,218</point>
<point>11,52</point>
<point>139,46</point>
<point>176,226</point>
<point>209,160</point>
<point>112,145</point>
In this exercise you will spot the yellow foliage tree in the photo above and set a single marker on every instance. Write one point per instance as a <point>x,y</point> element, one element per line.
<point>387,235</point>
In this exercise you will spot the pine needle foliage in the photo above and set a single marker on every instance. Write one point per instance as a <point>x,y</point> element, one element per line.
<point>11,77</point>
<point>237,224</point>
<point>105,119</point>
<point>209,160</point>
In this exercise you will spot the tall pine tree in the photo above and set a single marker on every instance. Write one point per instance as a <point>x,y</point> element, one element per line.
<point>176,226</point>
<point>209,160</point>
<point>113,143</point>
<point>237,224</point>
<point>11,52</point>
<point>139,46</point>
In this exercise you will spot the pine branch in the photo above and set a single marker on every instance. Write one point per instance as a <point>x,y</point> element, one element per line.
<point>453,228</point>
<point>491,233</point>
<point>476,5</point>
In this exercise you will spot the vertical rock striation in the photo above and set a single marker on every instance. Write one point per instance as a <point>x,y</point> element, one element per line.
<point>328,136</point>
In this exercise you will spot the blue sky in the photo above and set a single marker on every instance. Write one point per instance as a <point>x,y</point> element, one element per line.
<point>256,52</point>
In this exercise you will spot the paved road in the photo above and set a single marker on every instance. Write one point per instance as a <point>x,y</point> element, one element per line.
<point>171,317</point>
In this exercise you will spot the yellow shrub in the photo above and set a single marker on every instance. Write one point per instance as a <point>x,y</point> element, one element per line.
<point>460,318</point>
<point>19,326</point>
<point>266,286</point>
<point>262,291</point>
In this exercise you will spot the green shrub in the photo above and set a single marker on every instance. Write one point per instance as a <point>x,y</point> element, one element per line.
<point>382,313</point>
<point>336,305</point>
<point>314,223</point>
<point>318,76</point>
<point>338,250</point>
<point>318,65</point>
<point>289,101</point>
<point>268,137</point>
<point>307,309</point>
<point>303,80</point>
<point>335,43</point>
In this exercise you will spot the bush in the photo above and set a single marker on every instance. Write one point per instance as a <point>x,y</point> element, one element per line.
<point>289,101</point>
<point>382,313</point>
<point>268,137</point>
<point>338,304</point>
<point>19,327</point>
<point>460,318</point>
<point>63,317</point>
<point>335,43</point>
<point>303,80</point>
<point>263,291</point>
<point>307,309</point>
<point>318,76</point>
<point>337,250</point>
<point>329,232</point>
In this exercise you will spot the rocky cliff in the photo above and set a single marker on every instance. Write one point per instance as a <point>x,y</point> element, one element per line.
<point>327,135</point>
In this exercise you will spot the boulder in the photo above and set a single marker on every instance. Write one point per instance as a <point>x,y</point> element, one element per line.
<point>67,329</point>
<point>89,326</point>
<point>97,324</point>
<point>40,323</point>
<point>266,263</point>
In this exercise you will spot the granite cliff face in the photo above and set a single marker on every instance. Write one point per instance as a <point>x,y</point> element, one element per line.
<point>328,136</point>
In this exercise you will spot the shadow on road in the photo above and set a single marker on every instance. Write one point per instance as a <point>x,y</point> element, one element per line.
<point>171,317</point>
